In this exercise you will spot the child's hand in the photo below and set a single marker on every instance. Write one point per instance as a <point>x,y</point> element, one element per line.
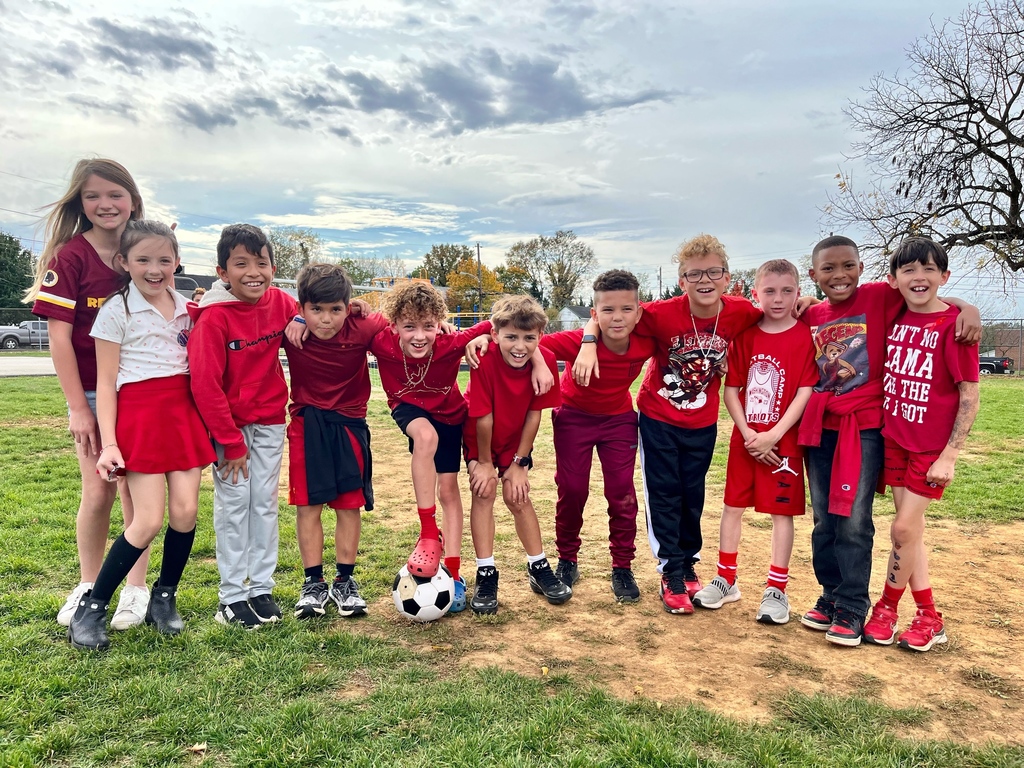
<point>762,447</point>
<point>516,484</point>
<point>110,460</point>
<point>476,349</point>
<point>296,333</point>
<point>82,425</point>
<point>586,363</point>
<point>233,467</point>
<point>940,473</point>
<point>803,303</point>
<point>483,479</point>
<point>446,327</point>
<point>542,379</point>
<point>359,308</point>
<point>968,326</point>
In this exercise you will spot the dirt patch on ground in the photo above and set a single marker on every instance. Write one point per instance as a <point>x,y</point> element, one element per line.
<point>724,659</point>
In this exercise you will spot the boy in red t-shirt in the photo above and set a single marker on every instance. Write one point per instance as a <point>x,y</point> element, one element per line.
<point>419,371</point>
<point>841,429</point>
<point>600,416</point>
<point>930,402</point>
<point>329,459</point>
<point>504,416</point>
<point>771,373</point>
<point>678,404</point>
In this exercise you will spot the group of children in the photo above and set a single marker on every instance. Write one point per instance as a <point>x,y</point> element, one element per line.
<point>877,384</point>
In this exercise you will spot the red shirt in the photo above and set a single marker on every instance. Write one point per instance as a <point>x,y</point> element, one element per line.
<point>432,386</point>
<point>496,387</point>
<point>681,386</point>
<point>332,375</point>
<point>768,369</point>
<point>849,341</point>
<point>73,290</point>
<point>607,395</point>
<point>923,368</point>
<point>233,354</point>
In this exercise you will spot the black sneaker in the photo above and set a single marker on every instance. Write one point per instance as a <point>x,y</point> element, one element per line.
<point>624,585</point>
<point>544,582</point>
<point>847,629</point>
<point>485,592</point>
<point>265,608</point>
<point>238,613</point>
<point>312,600</point>
<point>567,572</point>
<point>820,616</point>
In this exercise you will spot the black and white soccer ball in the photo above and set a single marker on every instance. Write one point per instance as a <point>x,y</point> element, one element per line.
<point>422,599</point>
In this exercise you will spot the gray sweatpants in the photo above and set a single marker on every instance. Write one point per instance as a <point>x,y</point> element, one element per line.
<point>245,517</point>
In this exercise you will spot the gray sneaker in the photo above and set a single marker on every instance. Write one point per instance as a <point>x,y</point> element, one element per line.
<point>312,600</point>
<point>345,595</point>
<point>774,607</point>
<point>717,593</point>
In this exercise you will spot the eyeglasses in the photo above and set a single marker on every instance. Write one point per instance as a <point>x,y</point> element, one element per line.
<point>695,275</point>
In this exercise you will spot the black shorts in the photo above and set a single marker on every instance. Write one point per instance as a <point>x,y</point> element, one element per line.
<point>447,457</point>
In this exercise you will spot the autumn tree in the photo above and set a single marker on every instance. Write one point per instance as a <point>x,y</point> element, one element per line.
<point>945,141</point>
<point>293,248</point>
<point>441,260</point>
<point>557,266</point>
<point>464,287</point>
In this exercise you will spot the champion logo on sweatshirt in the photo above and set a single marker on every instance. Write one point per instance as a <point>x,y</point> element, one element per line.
<point>238,344</point>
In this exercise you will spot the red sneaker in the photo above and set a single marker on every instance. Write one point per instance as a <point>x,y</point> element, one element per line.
<point>925,631</point>
<point>881,627</point>
<point>674,594</point>
<point>693,585</point>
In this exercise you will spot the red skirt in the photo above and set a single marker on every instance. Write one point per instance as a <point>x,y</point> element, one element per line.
<point>159,428</point>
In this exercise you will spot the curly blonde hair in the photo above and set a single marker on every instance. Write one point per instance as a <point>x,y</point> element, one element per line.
<point>523,312</point>
<point>701,245</point>
<point>415,301</point>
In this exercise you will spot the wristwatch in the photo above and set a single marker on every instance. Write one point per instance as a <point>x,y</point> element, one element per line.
<point>589,338</point>
<point>522,461</point>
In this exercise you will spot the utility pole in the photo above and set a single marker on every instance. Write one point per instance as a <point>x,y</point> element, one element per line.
<point>479,278</point>
<point>659,284</point>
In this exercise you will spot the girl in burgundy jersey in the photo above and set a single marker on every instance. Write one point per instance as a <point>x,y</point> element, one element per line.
<point>75,274</point>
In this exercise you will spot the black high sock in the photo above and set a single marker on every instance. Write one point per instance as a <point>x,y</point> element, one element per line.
<point>177,548</point>
<point>314,573</point>
<point>344,570</point>
<point>120,559</point>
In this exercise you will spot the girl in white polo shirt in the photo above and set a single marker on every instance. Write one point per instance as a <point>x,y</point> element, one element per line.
<point>149,428</point>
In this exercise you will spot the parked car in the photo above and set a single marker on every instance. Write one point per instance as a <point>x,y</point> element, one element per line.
<point>995,364</point>
<point>30,333</point>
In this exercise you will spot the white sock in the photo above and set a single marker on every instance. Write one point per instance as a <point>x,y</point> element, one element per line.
<point>531,559</point>
<point>484,562</point>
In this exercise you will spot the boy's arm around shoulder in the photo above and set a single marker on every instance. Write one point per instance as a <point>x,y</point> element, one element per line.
<point>968,322</point>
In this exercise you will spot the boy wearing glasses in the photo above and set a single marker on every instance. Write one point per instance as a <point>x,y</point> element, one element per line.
<point>678,403</point>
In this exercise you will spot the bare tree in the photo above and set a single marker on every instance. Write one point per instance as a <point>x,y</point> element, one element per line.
<point>557,266</point>
<point>293,248</point>
<point>946,141</point>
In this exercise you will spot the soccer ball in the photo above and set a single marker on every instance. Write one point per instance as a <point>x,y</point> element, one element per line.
<point>422,599</point>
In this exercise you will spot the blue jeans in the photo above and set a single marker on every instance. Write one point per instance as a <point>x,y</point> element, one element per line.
<point>841,546</point>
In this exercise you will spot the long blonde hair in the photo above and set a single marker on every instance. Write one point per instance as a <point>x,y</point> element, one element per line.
<point>67,218</point>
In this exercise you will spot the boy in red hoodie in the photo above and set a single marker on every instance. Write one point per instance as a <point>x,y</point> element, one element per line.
<point>239,386</point>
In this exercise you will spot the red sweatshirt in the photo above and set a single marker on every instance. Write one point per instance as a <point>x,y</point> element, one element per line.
<point>233,356</point>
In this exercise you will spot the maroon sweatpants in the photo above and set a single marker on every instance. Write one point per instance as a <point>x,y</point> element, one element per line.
<point>576,434</point>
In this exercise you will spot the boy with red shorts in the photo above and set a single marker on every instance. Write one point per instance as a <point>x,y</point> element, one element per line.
<point>930,402</point>
<point>504,416</point>
<point>771,373</point>
<point>600,416</point>
<point>329,459</point>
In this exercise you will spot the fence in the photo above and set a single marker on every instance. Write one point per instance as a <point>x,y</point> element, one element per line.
<point>1003,338</point>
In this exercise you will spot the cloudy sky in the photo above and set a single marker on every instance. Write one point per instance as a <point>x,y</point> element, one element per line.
<point>394,124</point>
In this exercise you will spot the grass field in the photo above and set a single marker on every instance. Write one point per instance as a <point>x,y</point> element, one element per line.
<point>379,691</point>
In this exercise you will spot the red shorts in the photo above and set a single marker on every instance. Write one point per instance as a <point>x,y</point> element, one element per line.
<point>903,469</point>
<point>471,452</point>
<point>298,494</point>
<point>768,489</point>
<point>159,428</point>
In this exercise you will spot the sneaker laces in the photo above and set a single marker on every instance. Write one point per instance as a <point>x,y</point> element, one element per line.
<point>676,583</point>
<point>132,600</point>
<point>689,574</point>
<point>545,576</point>
<point>487,583</point>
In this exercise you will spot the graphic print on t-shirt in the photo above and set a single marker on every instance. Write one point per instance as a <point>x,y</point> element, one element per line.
<point>909,368</point>
<point>692,361</point>
<point>841,354</point>
<point>766,382</point>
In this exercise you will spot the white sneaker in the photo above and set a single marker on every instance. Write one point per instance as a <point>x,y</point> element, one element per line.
<point>131,607</point>
<point>65,614</point>
<point>717,593</point>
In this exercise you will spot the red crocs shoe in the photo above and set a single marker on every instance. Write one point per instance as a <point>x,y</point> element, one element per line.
<point>426,558</point>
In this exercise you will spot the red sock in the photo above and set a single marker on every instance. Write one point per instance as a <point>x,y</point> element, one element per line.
<point>428,525</point>
<point>891,596</point>
<point>924,600</point>
<point>452,564</point>
<point>727,566</point>
<point>778,577</point>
